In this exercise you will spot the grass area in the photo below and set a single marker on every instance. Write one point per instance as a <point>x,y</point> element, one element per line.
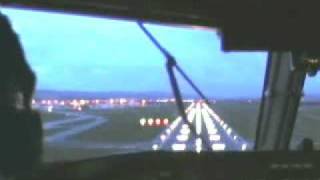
<point>46,116</point>
<point>54,131</point>
<point>54,153</point>
<point>241,116</point>
<point>308,123</point>
<point>123,125</point>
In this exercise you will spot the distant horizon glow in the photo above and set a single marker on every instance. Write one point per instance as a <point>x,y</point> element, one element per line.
<point>89,54</point>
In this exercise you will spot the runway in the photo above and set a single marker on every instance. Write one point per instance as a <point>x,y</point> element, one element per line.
<point>212,133</point>
<point>76,124</point>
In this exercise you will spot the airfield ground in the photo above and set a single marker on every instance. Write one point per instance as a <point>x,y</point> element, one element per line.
<point>122,132</point>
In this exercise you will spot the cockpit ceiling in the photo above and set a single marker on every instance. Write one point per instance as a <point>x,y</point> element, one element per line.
<point>247,24</point>
<point>193,12</point>
<point>180,11</point>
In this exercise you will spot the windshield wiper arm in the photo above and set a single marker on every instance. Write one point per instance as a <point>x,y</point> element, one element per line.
<point>171,64</point>
<point>190,82</point>
<point>169,57</point>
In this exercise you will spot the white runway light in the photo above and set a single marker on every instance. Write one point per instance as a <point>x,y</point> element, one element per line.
<point>218,147</point>
<point>163,137</point>
<point>50,109</point>
<point>155,147</point>
<point>214,137</point>
<point>212,131</point>
<point>235,137</point>
<point>198,145</point>
<point>178,147</point>
<point>229,131</point>
<point>244,147</point>
<point>225,126</point>
<point>185,126</point>
<point>175,123</point>
<point>185,131</point>
<point>143,121</point>
<point>198,120</point>
<point>208,122</point>
<point>191,115</point>
<point>182,137</point>
<point>198,149</point>
<point>198,142</point>
<point>212,113</point>
<point>190,107</point>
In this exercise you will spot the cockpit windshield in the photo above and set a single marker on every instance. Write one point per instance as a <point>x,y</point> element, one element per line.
<point>103,87</point>
<point>307,121</point>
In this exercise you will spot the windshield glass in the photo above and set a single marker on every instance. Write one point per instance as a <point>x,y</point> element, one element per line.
<point>307,122</point>
<point>103,88</point>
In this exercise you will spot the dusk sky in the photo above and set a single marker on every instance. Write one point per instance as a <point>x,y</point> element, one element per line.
<point>81,53</point>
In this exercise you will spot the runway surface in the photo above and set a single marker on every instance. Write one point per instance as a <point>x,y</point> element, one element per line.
<point>212,133</point>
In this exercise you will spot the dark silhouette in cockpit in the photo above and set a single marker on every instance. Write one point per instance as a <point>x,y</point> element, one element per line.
<point>15,74</point>
<point>20,126</point>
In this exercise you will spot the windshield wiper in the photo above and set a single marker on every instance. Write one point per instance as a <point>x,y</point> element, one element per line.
<point>170,65</point>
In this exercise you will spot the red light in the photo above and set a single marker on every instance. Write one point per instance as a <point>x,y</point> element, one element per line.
<point>150,122</point>
<point>158,122</point>
<point>165,122</point>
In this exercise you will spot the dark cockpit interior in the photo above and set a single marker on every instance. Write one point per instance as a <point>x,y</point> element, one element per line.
<point>193,89</point>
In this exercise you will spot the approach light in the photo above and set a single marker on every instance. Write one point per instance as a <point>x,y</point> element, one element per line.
<point>165,121</point>
<point>143,121</point>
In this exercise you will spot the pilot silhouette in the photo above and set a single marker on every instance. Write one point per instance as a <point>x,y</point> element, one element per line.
<point>20,126</point>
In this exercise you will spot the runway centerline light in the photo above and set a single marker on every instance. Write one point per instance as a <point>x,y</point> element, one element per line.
<point>214,137</point>
<point>185,131</point>
<point>244,147</point>
<point>185,126</point>
<point>163,137</point>
<point>50,109</point>
<point>218,147</point>
<point>198,149</point>
<point>212,131</point>
<point>182,137</point>
<point>155,147</point>
<point>198,142</point>
<point>198,145</point>
<point>178,147</point>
